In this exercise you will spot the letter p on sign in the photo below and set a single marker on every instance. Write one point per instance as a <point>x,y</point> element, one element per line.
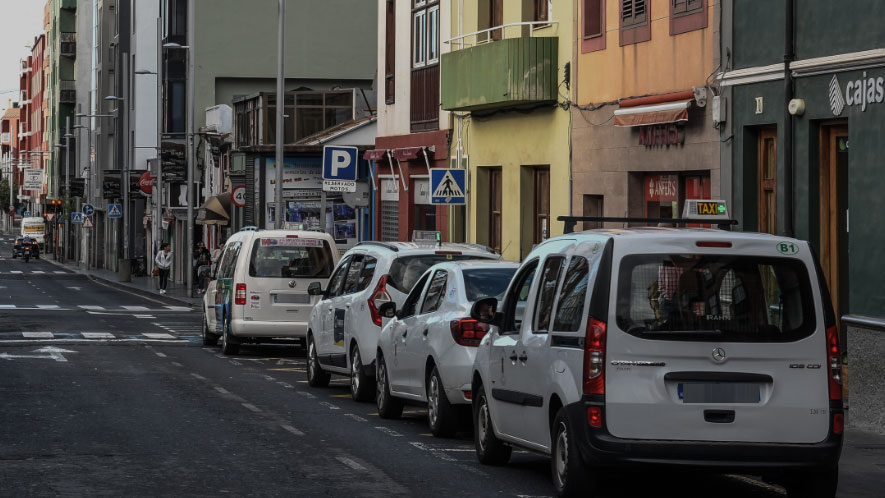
<point>340,163</point>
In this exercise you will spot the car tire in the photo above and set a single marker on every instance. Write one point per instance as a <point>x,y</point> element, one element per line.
<point>227,346</point>
<point>316,376</point>
<point>819,484</point>
<point>389,407</point>
<point>441,415</point>
<point>209,339</point>
<point>570,476</point>
<point>362,387</point>
<point>489,449</point>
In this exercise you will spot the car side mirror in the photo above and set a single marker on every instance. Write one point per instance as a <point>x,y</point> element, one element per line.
<point>486,311</point>
<point>388,310</point>
<point>315,289</point>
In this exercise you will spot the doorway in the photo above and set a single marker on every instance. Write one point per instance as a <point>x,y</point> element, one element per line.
<point>542,205</point>
<point>834,217</point>
<point>767,179</point>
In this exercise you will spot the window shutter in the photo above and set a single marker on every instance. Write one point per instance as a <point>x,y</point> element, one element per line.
<point>592,18</point>
<point>639,11</point>
<point>679,6</point>
<point>627,11</point>
<point>692,5</point>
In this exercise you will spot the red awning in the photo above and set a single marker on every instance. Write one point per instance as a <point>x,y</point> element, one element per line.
<point>670,112</point>
<point>375,154</point>
<point>407,153</point>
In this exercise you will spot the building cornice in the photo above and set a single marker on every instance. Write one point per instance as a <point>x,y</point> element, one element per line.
<point>852,61</point>
<point>749,75</point>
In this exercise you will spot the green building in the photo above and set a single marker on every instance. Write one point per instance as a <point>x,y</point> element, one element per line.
<point>802,151</point>
<point>61,83</point>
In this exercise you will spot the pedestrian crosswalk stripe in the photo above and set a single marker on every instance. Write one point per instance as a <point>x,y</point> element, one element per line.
<point>91,307</point>
<point>7,306</point>
<point>150,335</point>
<point>16,272</point>
<point>37,272</point>
<point>177,308</point>
<point>48,306</point>
<point>97,335</point>
<point>135,308</point>
<point>37,335</point>
<point>59,271</point>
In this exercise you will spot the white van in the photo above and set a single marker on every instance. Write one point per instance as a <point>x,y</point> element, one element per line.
<point>35,228</point>
<point>261,285</point>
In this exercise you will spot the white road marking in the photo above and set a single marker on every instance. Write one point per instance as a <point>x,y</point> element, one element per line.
<point>350,463</point>
<point>49,353</point>
<point>305,394</point>
<point>292,429</point>
<point>7,306</point>
<point>251,407</point>
<point>145,317</point>
<point>48,306</point>
<point>355,417</point>
<point>91,307</point>
<point>222,390</point>
<point>286,385</point>
<point>38,272</point>
<point>268,377</point>
<point>389,432</point>
<point>135,308</point>
<point>16,272</point>
<point>329,405</point>
<point>37,335</point>
<point>74,288</point>
<point>82,340</point>
<point>161,355</point>
<point>60,272</point>
<point>97,335</point>
<point>432,451</point>
<point>198,376</point>
<point>152,335</point>
<point>177,308</point>
<point>235,362</point>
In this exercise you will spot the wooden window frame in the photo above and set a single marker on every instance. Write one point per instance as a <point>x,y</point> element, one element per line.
<point>592,43</point>
<point>634,32</point>
<point>545,7</point>
<point>496,215</point>
<point>689,20</point>
<point>425,72</point>
<point>539,196</point>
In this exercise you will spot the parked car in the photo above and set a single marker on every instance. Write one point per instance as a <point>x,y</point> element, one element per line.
<point>694,348</point>
<point>209,318</point>
<point>426,351</point>
<point>345,324</point>
<point>17,247</point>
<point>261,284</point>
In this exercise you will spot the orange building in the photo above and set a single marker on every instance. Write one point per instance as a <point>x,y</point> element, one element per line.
<point>643,133</point>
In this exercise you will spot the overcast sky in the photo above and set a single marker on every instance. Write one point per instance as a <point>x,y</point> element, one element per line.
<point>20,22</point>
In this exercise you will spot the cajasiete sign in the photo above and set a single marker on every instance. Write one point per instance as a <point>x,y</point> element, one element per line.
<point>859,92</point>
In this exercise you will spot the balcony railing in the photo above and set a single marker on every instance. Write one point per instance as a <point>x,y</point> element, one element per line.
<point>4,138</point>
<point>67,91</point>
<point>68,44</point>
<point>487,70</point>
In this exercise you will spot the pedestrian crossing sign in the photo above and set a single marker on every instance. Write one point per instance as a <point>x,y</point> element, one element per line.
<point>115,211</point>
<point>448,186</point>
<point>76,218</point>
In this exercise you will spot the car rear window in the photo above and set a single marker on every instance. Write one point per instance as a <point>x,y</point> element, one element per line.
<point>283,257</point>
<point>487,282</point>
<point>708,297</point>
<point>406,270</point>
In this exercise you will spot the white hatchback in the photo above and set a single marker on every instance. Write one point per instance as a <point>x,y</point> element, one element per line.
<point>700,348</point>
<point>426,351</point>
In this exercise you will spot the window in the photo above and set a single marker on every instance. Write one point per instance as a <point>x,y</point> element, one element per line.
<point>543,10</point>
<point>230,260</point>
<point>542,205</point>
<point>767,180</point>
<point>634,24</point>
<point>419,39</point>
<point>411,303</point>
<point>338,277</point>
<point>711,297</point>
<point>425,33</point>
<point>404,271</point>
<point>390,53</point>
<point>496,18</point>
<point>547,292</point>
<point>593,206</point>
<point>570,308</point>
<point>487,282</point>
<point>352,278</point>
<point>278,258</point>
<point>366,273</point>
<point>687,15</point>
<point>436,292</point>
<point>517,298</point>
<point>594,19</point>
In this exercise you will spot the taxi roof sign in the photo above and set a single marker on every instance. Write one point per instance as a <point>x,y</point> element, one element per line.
<point>705,209</point>
<point>426,237</point>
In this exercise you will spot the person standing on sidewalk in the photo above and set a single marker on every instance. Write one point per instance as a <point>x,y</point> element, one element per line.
<point>164,263</point>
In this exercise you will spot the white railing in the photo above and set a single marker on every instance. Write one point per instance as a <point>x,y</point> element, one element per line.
<point>4,137</point>
<point>486,35</point>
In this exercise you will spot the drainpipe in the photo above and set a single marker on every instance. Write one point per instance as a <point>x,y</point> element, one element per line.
<point>789,56</point>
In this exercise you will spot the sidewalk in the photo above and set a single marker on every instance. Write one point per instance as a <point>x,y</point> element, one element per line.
<point>143,286</point>
<point>862,467</point>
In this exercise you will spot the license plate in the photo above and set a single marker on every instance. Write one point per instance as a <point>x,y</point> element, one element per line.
<point>291,299</point>
<point>719,392</point>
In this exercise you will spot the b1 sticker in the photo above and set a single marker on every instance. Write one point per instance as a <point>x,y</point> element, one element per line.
<point>788,248</point>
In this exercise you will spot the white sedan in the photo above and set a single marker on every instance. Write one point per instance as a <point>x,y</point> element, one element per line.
<point>426,351</point>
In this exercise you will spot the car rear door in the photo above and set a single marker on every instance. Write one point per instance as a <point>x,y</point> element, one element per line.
<point>716,342</point>
<point>402,370</point>
<point>325,337</point>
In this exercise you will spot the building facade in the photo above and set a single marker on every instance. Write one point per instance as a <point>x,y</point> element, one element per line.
<point>803,147</point>
<point>505,82</point>
<point>413,133</point>
<point>644,139</point>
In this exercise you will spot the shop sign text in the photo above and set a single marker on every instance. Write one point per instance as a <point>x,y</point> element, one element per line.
<point>663,135</point>
<point>860,92</point>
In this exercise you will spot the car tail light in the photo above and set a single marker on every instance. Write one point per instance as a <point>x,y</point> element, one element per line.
<point>240,295</point>
<point>379,297</point>
<point>834,361</point>
<point>594,357</point>
<point>594,416</point>
<point>468,332</point>
<point>838,423</point>
<point>713,243</point>
<point>468,394</point>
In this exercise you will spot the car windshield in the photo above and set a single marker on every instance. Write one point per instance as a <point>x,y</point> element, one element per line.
<point>282,257</point>
<point>406,270</point>
<point>723,298</point>
<point>487,282</point>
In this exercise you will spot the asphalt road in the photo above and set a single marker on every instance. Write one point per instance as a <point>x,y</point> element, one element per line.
<point>109,394</point>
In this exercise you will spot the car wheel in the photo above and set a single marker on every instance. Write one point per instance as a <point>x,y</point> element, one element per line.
<point>570,476</point>
<point>316,376</point>
<point>441,415</point>
<point>388,406</point>
<point>361,386</point>
<point>209,339</point>
<point>227,347</point>
<point>819,484</point>
<point>489,449</point>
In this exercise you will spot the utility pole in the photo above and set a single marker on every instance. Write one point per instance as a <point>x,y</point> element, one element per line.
<point>124,140</point>
<point>281,108</point>
<point>191,162</point>
<point>158,187</point>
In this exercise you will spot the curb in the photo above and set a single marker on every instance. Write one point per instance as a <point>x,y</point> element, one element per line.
<point>173,301</point>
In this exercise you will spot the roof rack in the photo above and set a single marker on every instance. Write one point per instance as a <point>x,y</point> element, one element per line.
<point>571,221</point>
<point>385,245</point>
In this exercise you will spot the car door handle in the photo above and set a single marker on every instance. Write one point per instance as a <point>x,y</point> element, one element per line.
<point>513,356</point>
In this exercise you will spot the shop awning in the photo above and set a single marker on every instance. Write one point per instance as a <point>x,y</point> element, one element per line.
<point>407,153</point>
<point>671,112</point>
<point>375,154</point>
<point>215,211</point>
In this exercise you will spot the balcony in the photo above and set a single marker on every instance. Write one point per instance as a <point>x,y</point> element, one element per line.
<point>4,138</point>
<point>502,73</point>
<point>67,44</point>
<point>68,4</point>
<point>67,92</point>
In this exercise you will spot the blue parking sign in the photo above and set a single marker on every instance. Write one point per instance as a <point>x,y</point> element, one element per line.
<point>448,186</point>
<point>340,163</point>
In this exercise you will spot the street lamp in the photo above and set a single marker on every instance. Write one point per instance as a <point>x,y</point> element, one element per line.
<point>124,179</point>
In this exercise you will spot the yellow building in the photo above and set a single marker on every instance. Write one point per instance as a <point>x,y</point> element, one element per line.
<point>504,80</point>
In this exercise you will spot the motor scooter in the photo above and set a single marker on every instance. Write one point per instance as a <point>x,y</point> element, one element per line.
<point>26,253</point>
